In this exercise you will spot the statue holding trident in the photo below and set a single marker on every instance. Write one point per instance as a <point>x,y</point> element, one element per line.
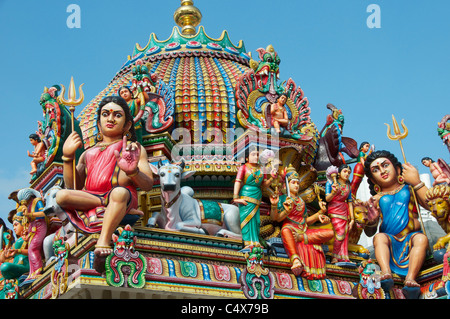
<point>400,245</point>
<point>72,102</point>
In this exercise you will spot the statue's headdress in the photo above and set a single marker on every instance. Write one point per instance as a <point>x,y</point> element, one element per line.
<point>290,174</point>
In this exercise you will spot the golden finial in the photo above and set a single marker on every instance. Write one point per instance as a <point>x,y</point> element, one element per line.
<point>187,17</point>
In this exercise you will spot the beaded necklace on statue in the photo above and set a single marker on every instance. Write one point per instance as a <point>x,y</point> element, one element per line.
<point>253,171</point>
<point>103,146</point>
<point>342,188</point>
<point>395,191</point>
<point>298,202</point>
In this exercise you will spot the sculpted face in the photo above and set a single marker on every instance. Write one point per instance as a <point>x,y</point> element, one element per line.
<point>365,148</point>
<point>113,120</point>
<point>18,228</point>
<point>253,157</point>
<point>427,163</point>
<point>294,186</point>
<point>345,173</point>
<point>439,208</point>
<point>384,173</point>
<point>282,100</point>
<point>125,94</point>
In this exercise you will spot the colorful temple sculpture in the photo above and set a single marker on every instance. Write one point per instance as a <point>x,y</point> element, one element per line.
<point>220,184</point>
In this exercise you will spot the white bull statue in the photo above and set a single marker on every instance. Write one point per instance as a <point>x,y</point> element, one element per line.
<point>181,212</point>
<point>66,230</point>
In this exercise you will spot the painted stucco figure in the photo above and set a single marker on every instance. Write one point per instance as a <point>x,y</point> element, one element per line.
<point>400,245</point>
<point>340,209</point>
<point>107,175</point>
<point>248,185</point>
<point>302,244</point>
<point>437,198</point>
<point>358,171</point>
<point>439,170</point>
<point>32,208</point>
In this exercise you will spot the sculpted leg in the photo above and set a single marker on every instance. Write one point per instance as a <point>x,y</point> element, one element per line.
<point>114,213</point>
<point>382,254</point>
<point>74,199</point>
<point>416,258</point>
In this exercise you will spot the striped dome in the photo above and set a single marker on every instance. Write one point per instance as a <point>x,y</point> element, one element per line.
<point>198,77</point>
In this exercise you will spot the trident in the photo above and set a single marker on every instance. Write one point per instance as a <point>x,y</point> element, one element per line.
<point>399,136</point>
<point>72,102</point>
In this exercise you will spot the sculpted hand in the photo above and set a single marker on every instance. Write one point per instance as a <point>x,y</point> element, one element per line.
<point>72,143</point>
<point>372,211</point>
<point>351,224</point>
<point>323,207</point>
<point>288,204</point>
<point>324,219</point>
<point>239,201</point>
<point>440,244</point>
<point>129,159</point>
<point>410,174</point>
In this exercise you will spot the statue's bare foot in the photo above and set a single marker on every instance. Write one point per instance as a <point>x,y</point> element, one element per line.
<point>102,251</point>
<point>100,254</point>
<point>411,283</point>
<point>385,276</point>
<point>297,267</point>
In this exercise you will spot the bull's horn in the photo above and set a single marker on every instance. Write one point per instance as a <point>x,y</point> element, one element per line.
<point>160,164</point>
<point>182,164</point>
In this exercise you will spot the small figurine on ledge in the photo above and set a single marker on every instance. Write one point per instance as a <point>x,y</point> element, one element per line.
<point>340,209</point>
<point>250,180</point>
<point>358,172</point>
<point>279,116</point>
<point>14,257</point>
<point>437,198</point>
<point>38,154</point>
<point>439,170</point>
<point>302,244</point>
<point>32,209</point>
<point>137,106</point>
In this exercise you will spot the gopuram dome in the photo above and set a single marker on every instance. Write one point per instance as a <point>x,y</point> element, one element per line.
<point>193,73</point>
<point>208,88</point>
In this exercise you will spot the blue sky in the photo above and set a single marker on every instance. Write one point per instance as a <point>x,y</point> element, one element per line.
<point>326,47</point>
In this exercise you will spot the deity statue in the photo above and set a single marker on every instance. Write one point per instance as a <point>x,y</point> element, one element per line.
<point>279,117</point>
<point>32,208</point>
<point>332,142</point>
<point>6,236</point>
<point>437,198</point>
<point>137,107</point>
<point>340,209</point>
<point>248,185</point>
<point>38,153</point>
<point>302,244</point>
<point>14,257</point>
<point>264,105</point>
<point>358,172</point>
<point>443,130</point>
<point>106,177</point>
<point>439,170</point>
<point>151,101</point>
<point>400,245</point>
